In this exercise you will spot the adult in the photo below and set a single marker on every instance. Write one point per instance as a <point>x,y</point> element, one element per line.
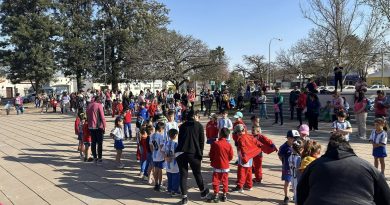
<point>278,106</point>
<point>337,104</point>
<point>338,77</point>
<point>313,111</point>
<point>97,127</point>
<point>177,96</point>
<point>353,181</point>
<point>301,105</point>
<point>126,100</point>
<point>141,97</point>
<point>202,99</point>
<point>240,100</point>
<point>293,98</point>
<point>262,105</point>
<point>360,111</point>
<point>191,98</point>
<point>208,100</point>
<point>184,98</point>
<point>217,96</point>
<point>18,102</point>
<point>312,86</point>
<point>108,101</point>
<point>65,101</point>
<point>88,96</point>
<point>379,104</point>
<point>190,149</point>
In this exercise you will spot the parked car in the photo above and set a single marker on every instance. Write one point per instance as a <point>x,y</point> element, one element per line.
<point>349,87</point>
<point>29,98</point>
<point>326,89</point>
<point>378,87</point>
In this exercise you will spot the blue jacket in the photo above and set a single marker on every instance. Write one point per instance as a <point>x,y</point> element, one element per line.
<point>144,114</point>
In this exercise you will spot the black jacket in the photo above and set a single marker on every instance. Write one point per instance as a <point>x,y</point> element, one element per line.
<point>340,177</point>
<point>191,138</point>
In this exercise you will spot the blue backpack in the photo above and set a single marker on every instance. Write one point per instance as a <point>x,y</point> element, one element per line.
<point>370,105</point>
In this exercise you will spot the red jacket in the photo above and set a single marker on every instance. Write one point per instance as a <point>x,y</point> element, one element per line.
<point>221,153</point>
<point>119,108</point>
<point>248,146</point>
<point>86,133</point>
<point>127,118</point>
<point>152,109</point>
<point>212,130</point>
<point>268,146</point>
<point>302,101</point>
<point>235,137</point>
<point>95,116</point>
<point>76,126</point>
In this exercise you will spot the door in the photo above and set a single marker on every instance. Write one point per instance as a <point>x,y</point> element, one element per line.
<point>9,92</point>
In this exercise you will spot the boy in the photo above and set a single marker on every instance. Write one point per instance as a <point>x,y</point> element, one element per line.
<point>341,125</point>
<point>143,112</point>
<point>170,160</point>
<point>238,116</point>
<point>127,124</point>
<point>156,143</point>
<point>171,124</point>
<point>87,139</point>
<point>284,153</point>
<point>149,160</point>
<point>225,122</point>
<point>221,153</point>
<point>212,129</point>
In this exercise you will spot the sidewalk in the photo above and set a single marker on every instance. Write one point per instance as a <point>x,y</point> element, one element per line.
<point>39,164</point>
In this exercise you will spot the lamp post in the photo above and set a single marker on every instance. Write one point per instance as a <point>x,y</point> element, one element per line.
<point>104,56</point>
<point>269,59</point>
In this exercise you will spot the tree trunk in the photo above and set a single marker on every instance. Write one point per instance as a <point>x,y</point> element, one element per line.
<point>79,81</point>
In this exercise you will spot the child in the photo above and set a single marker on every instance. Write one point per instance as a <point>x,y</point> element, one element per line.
<point>114,108</point>
<point>255,120</point>
<point>325,112</point>
<point>311,151</point>
<point>143,150</point>
<point>170,160</point>
<point>225,122</point>
<point>87,139</point>
<point>119,107</point>
<point>78,130</point>
<point>212,129</point>
<point>7,107</point>
<point>341,125</point>
<point>143,112</point>
<point>378,138</point>
<point>295,162</point>
<point>171,124</point>
<point>127,124</point>
<point>54,104</point>
<point>221,153</point>
<point>304,131</point>
<point>149,163</point>
<point>132,106</point>
<point>156,143</point>
<point>178,112</point>
<point>258,160</point>
<point>284,153</point>
<point>117,135</point>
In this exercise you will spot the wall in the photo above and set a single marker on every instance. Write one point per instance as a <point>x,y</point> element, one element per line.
<point>377,80</point>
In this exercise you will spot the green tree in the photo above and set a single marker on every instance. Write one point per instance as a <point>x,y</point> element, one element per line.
<point>76,53</point>
<point>235,82</point>
<point>29,35</point>
<point>126,23</point>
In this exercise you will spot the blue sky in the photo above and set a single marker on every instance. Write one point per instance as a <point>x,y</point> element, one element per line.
<point>242,27</point>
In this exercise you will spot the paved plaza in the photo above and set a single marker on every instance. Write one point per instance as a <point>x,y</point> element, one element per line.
<point>39,164</point>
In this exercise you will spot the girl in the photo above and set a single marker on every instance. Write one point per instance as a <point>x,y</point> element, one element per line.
<point>78,130</point>
<point>178,109</point>
<point>311,151</point>
<point>117,135</point>
<point>295,162</point>
<point>378,138</point>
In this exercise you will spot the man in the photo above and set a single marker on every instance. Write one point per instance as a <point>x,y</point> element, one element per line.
<point>202,99</point>
<point>312,86</point>
<point>97,126</point>
<point>278,106</point>
<point>217,96</point>
<point>177,96</point>
<point>208,100</point>
<point>294,94</point>
<point>338,77</point>
<point>190,146</point>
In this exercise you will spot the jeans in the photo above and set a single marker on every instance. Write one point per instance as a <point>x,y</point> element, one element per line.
<point>97,138</point>
<point>361,124</point>
<point>263,111</point>
<point>280,113</point>
<point>173,182</point>
<point>144,167</point>
<point>127,130</point>
<point>183,160</point>
<point>18,109</point>
<point>148,163</point>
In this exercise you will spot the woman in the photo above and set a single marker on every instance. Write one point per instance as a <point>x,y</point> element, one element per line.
<point>313,111</point>
<point>301,105</point>
<point>380,108</point>
<point>191,98</point>
<point>340,177</point>
<point>361,114</point>
<point>263,108</point>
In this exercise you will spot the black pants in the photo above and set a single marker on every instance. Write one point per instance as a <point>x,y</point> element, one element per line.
<point>313,120</point>
<point>192,106</point>
<point>218,102</point>
<point>208,105</point>
<point>97,138</point>
<point>252,107</point>
<point>292,108</point>
<point>182,161</point>
<point>338,80</point>
<point>280,113</point>
<point>299,115</point>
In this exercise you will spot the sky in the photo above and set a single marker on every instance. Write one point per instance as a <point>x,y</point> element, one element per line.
<point>241,27</point>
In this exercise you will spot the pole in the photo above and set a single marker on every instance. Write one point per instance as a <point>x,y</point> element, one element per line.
<point>383,67</point>
<point>269,60</point>
<point>104,57</point>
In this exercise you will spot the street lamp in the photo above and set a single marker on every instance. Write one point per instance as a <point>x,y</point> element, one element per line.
<point>269,59</point>
<point>104,56</point>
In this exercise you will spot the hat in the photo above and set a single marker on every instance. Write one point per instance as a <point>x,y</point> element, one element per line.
<point>238,128</point>
<point>293,133</point>
<point>238,115</point>
<point>213,115</point>
<point>304,129</point>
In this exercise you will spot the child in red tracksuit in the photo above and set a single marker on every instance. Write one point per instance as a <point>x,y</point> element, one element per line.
<point>258,160</point>
<point>87,139</point>
<point>221,153</point>
<point>212,129</point>
<point>114,107</point>
<point>119,107</point>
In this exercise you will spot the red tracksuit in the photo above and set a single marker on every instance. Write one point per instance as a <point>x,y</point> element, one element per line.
<point>235,137</point>
<point>211,131</point>
<point>221,153</point>
<point>244,174</point>
<point>258,160</point>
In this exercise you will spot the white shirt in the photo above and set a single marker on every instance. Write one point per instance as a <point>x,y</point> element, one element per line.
<point>227,123</point>
<point>118,133</point>
<point>342,126</point>
<point>378,138</point>
<point>169,150</point>
<point>168,126</point>
<point>294,162</point>
<point>157,141</point>
<point>248,164</point>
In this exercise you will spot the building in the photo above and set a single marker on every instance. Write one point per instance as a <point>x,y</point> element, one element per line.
<point>377,77</point>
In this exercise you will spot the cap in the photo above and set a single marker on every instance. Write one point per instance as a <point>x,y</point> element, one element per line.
<point>304,129</point>
<point>238,115</point>
<point>293,133</point>
<point>238,128</point>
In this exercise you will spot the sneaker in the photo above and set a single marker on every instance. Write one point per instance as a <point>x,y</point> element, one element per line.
<point>90,159</point>
<point>285,201</point>
<point>223,198</point>
<point>184,201</point>
<point>120,166</point>
<point>99,162</point>
<point>156,188</point>
<point>248,188</point>
<point>204,193</point>
<point>145,178</point>
<point>213,199</point>
<point>237,189</point>
<point>174,194</point>
<point>141,174</point>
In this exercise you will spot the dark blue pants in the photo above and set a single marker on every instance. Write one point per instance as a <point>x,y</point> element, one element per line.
<point>280,113</point>
<point>97,138</point>
<point>173,182</point>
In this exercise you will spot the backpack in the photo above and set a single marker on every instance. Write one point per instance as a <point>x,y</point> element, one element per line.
<point>225,98</point>
<point>370,105</point>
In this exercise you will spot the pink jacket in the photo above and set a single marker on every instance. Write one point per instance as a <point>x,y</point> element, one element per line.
<point>95,116</point>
